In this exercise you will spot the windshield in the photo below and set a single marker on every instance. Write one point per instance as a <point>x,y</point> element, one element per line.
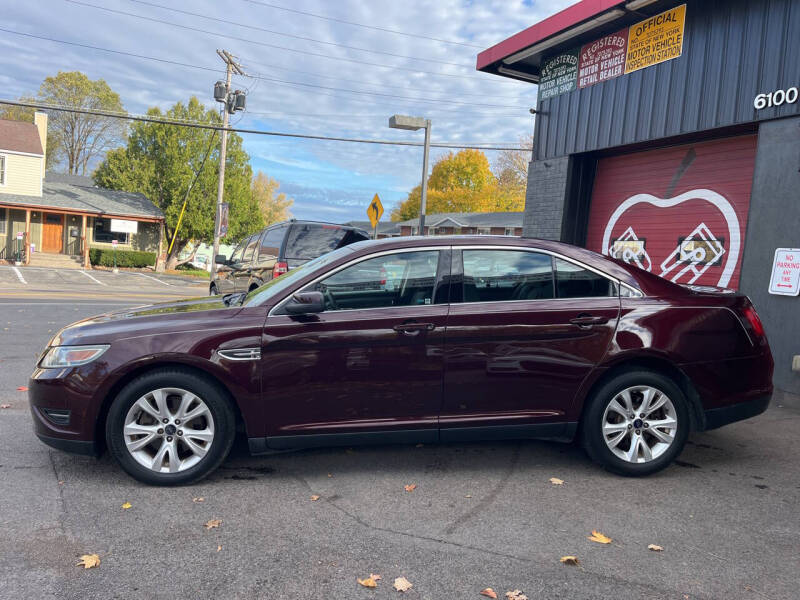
<point>277,286</point>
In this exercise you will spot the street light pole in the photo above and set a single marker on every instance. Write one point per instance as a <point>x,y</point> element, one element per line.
<point>424,198</point>
<point>413,124</point>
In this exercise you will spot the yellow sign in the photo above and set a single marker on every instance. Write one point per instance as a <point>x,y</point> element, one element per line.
<point>375,211</point>
<point>655,40</point>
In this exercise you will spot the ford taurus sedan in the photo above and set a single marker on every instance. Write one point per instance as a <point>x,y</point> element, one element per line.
<point>410,340</point>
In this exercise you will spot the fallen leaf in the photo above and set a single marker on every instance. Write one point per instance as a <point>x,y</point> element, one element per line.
<point>516,595</point>
<point>219,548</point>
<point>22,388</point>
<point>126,506</point>
<point>60,483</point>
<point>489,593</point>
<point>5,406</point>
<point>410,487</point>
<point>401,584</point>
<point>570,560</point>
<point>375,577</point>
<point>213,523</point>
<point>88,561</point>
<point>599,538</point>
<point>329,475</point>
<point>468,496</point>
<point>369,582</point>
<point>198,499</point>
<point>556,481</point>
<point>654,548</point>
<point>315,497</point>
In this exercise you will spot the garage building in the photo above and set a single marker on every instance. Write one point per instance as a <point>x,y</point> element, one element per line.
<point>668,135</point>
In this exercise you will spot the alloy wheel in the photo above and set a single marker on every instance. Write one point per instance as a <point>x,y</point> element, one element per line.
<point>168,430</point>
<point>639,424</point>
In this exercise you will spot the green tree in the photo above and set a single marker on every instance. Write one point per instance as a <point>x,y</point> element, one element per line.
<point>461,182</point>
<point>161,161</point>
<point>23,113</point>
<point>274,206</point>
<point>81,137</point>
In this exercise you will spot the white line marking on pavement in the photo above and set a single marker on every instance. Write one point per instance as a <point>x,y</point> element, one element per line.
<point>19,275</point>
<point>92,278</point>
<point>154,279</point>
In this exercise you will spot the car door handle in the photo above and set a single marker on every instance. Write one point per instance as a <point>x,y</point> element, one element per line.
<point>413,328</point>
<point>586,321</point>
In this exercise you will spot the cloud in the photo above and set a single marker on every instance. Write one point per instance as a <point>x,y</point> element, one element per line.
<point>327,178</point>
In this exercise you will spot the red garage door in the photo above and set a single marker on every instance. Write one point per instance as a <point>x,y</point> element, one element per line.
<point>679,212</point>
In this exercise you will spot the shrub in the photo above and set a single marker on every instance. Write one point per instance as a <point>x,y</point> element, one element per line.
<point>104,257</point>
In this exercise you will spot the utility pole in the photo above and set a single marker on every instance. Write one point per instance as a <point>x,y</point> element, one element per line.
<point>424,194</point>
<point>230,105</point>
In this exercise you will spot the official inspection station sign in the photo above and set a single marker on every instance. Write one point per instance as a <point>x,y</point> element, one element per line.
<point>655,40</point>
<point>785,279</point>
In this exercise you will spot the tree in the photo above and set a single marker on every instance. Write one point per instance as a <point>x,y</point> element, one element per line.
<point>461,182</point>
<point>23,113</point>
<point>274,207</point>
<point>512,166</point>
<point>161,161</point>
<point>81,137</point>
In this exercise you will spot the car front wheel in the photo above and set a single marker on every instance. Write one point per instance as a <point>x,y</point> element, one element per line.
<point>170,427</point>
<point>636,423</point>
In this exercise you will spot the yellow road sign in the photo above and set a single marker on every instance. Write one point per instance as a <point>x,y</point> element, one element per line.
<point>375,211</point>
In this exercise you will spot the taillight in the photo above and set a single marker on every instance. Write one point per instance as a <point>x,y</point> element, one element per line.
<point>753,319</point>
<point>279,269</point>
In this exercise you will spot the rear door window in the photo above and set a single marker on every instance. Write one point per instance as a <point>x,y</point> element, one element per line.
<point>573,281</point>
<point>249,251</point>
<point>501,275</point>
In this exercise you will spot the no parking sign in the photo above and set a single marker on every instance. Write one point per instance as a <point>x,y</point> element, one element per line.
<point>785,280</point>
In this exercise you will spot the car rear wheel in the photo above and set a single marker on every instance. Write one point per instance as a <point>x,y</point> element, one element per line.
<point>636,423</point>
<point>170,427</point>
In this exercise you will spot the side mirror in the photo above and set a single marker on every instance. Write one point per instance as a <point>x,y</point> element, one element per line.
<point>221,259</point>
<point>305,303</point>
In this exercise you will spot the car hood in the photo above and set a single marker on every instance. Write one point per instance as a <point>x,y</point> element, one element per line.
<point>143,320</point>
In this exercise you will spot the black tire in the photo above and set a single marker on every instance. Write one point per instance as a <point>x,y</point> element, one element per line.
<point>592,423</point>
<point>202,386</point>
<point>212,291</point>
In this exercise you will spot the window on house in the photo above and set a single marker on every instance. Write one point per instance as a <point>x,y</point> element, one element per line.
<point>2,170</point>
<point>509,231</point>
<point>3,215</point>
<point>103,233</point>
<point>484,231</point>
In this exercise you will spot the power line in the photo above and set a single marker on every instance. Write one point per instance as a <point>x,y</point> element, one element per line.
<point>271,79</point>
<point>211,126</point>
<point>263,29</point>
<point>384,29</point>
<point>286,48</point>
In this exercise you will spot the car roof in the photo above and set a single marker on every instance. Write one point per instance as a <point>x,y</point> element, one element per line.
<point>310,222</point>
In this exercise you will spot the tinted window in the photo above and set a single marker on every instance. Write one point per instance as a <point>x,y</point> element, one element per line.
<point>271,243</point>
<point>497,275</point>
<point>405,279</point>
<point>237,254</point>
<point>251,248</point>
<point>310,241</point>
<point>573,281</point>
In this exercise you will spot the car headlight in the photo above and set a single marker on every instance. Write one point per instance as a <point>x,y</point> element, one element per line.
<point>71,356</point>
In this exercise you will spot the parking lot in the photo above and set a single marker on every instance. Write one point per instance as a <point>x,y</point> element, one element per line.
<point>481,515</point>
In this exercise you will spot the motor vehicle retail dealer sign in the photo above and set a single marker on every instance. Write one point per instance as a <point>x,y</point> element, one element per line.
<point>785,280</point>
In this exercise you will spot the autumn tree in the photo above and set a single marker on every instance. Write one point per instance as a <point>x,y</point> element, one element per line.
<point>161,161</point>
<point>274,206</point>
<point>461,182</point>
<point>81,137</point>
<point>511,166</point>
<point>23,113</point>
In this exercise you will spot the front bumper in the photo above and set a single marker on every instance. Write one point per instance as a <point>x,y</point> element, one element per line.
<point>87,448</point>
<point>717,417</point>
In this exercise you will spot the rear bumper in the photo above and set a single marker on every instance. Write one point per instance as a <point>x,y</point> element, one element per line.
<point>717,417</point>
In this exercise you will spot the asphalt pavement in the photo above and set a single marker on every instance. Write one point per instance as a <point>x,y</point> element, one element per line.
<point>727,515</point>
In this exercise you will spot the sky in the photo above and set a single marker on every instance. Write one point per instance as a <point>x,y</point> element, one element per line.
<point>302,78</point>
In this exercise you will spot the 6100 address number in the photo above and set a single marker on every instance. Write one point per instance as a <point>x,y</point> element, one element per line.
<point>776,98</point>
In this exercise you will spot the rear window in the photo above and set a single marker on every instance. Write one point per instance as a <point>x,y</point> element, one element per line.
<point>271,243</point>
<point>310,241</point>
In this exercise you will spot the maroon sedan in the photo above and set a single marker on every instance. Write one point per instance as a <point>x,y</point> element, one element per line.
<point>410,340</point>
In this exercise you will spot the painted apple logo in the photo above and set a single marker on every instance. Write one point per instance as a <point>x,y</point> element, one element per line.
<point>694,254</point>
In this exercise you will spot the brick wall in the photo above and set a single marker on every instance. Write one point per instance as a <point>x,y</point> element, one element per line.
<point>545,197</point>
